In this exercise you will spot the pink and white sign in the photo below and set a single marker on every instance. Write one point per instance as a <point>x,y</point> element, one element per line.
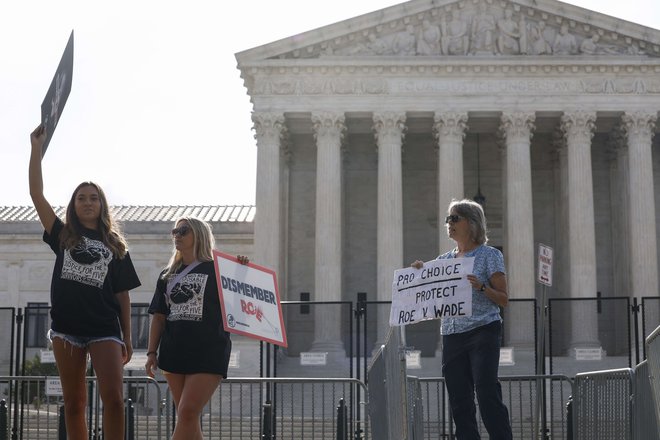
<point>250,300</point>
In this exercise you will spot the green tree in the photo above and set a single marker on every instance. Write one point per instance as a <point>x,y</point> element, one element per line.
<point>36,390</point>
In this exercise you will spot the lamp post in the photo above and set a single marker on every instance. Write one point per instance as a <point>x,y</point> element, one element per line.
<point>479,198</point>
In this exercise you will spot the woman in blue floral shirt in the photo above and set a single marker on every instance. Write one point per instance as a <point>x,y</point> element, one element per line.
<point>471,345</point>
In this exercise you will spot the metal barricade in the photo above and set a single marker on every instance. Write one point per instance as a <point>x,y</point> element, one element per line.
<point>387,390</point>
<point>301,408</point>
<point>519,395</point>
<point>645,423</point>
<point>35,403</point>
<point>602,405</point>
<point>415,408</point>
<point>653,357</point>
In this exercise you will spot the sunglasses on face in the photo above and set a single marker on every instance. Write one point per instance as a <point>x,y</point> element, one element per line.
<point>181,230</point>
<point>453,218</point>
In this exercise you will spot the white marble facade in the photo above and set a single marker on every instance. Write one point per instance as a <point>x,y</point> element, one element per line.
<point>367,128</point>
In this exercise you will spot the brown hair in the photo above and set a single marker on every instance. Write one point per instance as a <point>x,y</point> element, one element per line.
<point>109,229</point>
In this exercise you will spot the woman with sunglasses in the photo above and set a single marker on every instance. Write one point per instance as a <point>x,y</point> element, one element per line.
<point>186,337</point>
<point>90,306</point>
<point>471,345</point>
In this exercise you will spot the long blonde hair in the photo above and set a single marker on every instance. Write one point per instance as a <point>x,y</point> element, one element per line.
<point>111,234</point>
<point>203,243</point>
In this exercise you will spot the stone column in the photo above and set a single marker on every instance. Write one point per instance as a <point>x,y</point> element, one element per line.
<point>270,129</point>
<point>389,130</point>
<point>578,128</point>
<point>328,131</point>
<point>638,128</point>
<point>270,133</point>
<point>619,180</point>
<point>517,130</point>
<point>449,130</point>
<point>562,255</point>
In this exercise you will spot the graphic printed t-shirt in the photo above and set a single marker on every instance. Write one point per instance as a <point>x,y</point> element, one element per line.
<point>194,340</point>
<point>84,285</point>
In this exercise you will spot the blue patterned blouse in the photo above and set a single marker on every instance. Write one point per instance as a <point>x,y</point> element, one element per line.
<point>487,261</point>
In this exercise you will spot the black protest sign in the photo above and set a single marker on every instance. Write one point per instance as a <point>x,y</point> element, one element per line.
<point>58,92</point>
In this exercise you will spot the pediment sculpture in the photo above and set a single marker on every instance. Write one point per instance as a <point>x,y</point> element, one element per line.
<point>478,28</point>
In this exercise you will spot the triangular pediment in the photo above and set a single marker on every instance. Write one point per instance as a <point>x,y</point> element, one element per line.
<point>427,28</point>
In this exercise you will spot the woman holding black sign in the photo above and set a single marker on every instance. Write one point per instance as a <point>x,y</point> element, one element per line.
<point>90,306</point>
<point>187,340</point>
<point>471,345</point>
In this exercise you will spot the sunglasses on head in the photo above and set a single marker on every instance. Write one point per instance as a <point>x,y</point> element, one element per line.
<point>453,218</point>
<point>181,230</point>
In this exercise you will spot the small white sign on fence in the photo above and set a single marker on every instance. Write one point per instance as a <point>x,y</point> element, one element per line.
<point>313,358</point>
<point>588,354</point>
<point>47,357</point>
<point>53,386</point>
<point>506,356</point>
<point>414,359</point>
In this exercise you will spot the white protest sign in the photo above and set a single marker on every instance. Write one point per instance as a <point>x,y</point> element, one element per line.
<point>545,265</point>
<point>250,300</point>
<point>440,289</point>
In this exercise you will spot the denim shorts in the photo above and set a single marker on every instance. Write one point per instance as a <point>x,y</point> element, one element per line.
<point>82,341</point>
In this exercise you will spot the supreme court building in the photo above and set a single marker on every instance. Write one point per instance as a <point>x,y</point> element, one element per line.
<point>366,130</point>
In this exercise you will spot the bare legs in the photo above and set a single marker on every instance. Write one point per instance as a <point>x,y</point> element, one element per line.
<point>72,365</point>
<point>190,393</point>
<point>107,361</point>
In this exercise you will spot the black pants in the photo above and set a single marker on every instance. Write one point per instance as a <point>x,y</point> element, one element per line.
<point>469,362</point>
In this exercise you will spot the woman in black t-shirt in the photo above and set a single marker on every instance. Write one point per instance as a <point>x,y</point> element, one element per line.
<point>90,306</point>
<point>186,328</point>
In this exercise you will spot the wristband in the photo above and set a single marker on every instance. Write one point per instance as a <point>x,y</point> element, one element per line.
<point>481,289</point>
<point>150,353</point>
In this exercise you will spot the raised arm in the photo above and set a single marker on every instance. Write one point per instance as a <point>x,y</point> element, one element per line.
<point>44,210</point>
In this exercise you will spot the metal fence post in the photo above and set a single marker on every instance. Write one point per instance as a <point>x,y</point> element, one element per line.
<point>360,314</point>
<point>61,426</point>
<point>130,420</point>
<point>635,311</point>
<point>342,421</point>
<point>19,323</point>
<point>569,418</point>
<point>3,420</point>
<point>267,431</point>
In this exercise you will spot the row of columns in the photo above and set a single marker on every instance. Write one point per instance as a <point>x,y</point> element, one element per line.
<point>516,130</point>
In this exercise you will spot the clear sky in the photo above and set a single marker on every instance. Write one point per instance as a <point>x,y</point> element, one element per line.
<point>157,113</point>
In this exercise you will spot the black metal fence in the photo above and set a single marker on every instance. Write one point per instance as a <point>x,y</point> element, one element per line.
<point>238,410</point>
<point>616,326</point>
<point>609,331</point>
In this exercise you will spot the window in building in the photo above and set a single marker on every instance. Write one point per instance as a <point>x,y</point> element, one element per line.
<point>36,325</point>
<point>140,326</point>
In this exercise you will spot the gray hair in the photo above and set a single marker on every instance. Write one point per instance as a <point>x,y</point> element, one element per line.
<point>475,216</point>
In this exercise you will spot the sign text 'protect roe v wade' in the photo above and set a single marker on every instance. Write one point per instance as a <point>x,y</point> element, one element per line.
<point>440,289</point>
